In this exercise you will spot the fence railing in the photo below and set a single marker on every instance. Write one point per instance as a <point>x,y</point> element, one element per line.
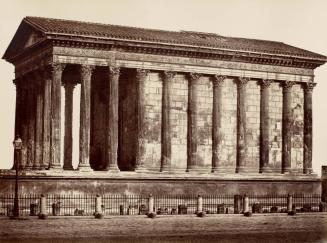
<point>112,204</point>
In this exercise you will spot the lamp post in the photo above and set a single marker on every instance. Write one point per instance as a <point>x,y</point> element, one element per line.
<point>17,159</point>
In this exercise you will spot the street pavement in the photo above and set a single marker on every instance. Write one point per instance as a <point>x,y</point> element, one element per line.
<point>308,227</point>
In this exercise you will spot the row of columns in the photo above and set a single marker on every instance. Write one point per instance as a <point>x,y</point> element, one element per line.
<point>43,127</point>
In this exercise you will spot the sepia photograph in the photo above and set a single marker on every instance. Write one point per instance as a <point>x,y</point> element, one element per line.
<point>163,121</point>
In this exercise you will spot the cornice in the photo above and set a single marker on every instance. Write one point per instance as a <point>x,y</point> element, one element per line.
<point>173,50</point>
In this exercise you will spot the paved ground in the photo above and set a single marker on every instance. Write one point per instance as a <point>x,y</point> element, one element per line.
<point>213,228</point>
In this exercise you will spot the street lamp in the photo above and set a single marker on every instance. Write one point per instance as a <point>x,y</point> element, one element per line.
<point>17,159</point>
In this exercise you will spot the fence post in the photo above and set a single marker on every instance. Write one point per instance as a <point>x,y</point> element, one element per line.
<point>151,203</point>
<point>289,203</point>
<point>237,204</point>
<point>246,204</point>
<point>199,204</point>
<point>43,205</point>
<point>98,203</point>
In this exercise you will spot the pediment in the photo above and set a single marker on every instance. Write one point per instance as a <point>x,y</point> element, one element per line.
<point>25,37</point>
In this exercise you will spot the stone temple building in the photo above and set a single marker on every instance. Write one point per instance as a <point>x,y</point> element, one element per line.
<point>166,111</point>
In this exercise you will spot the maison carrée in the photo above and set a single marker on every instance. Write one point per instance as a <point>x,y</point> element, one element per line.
<point>160,111</point>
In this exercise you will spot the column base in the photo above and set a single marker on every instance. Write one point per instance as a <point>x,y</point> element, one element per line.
<point>197,169</point>
<point>286,170</point>
<point>68,167</point>
<point>223,170</point>
<point>307,171</point>
<point>166,169</point>
<point>112,168</point>
<point>141,169</point>
<point>241,169</point>
<point>84,168</point>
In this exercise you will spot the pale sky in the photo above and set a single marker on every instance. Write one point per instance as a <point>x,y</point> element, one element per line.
<point>297,22</point>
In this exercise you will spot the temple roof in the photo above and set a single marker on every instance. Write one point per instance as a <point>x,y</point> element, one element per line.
<point>49,26</point>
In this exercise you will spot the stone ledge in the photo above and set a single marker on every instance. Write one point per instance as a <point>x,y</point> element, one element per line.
<point>105,175</point>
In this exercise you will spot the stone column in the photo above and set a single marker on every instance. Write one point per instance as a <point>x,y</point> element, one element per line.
<point>192,140</point>
<point>46,118</point>
<point>264,125</point>
<point>18,109</point>
<point>141,75</point>
<point>217,108</point>
<point>287,126</point>
<point>167,79</point>
<point>112,132</point>
<point>241,125</point>
<point>31,123</point>
<point>68,137</point>
<point>24,121</point>
<point>307,130</point>
<point>85,110</point>
<point>57,69</point>
<point>38,163</point>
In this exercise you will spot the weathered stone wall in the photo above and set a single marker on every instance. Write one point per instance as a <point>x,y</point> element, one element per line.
<point>297,132</point>
<point>253,126</point>
<point>204,136</point>
<point>275,124</point>
<point>153,106</point>
<point>179,122</point>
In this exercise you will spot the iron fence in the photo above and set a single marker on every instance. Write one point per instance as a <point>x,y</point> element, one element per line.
<point>112,204</point>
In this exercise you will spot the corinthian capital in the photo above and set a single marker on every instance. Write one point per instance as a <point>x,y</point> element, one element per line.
<point>141,74</point>
<point>287,84</point>
<point>58,67</point>
<point>265,83</point>
<point>218,80</point>
<point>87,70</point>
<point>193,78</point>
<point>114,70</point>
<point>168,75</point>
<point>242,81</point>
<point>308,87</point>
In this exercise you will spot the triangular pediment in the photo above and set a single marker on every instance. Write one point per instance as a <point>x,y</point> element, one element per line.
<point>25,37</point>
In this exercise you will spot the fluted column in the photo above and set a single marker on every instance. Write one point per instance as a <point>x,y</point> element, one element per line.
<point>217,108</point>
<point>46,118</point>
<point>264,125</point>
<point>141,75</point>
<point>307,130</point>
<point>167,79</point>
<point>287,126</point>
<point>57,69</point>
<point>192,140</point>
<point>241,125</point>
<point>31,123</point>
<point>24,121</point>
<point>85,110</point>
<point>112,132</point>
<point>68,137</point>
<point>38,163</point>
